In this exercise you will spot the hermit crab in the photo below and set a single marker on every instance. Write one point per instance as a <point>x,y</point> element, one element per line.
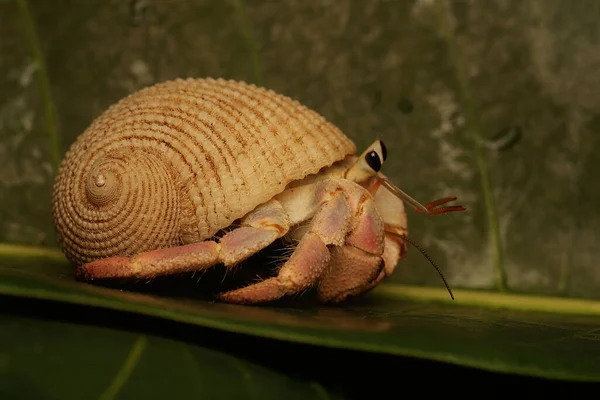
<point>193,173</point>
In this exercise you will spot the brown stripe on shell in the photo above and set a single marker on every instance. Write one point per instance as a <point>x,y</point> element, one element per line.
<point>178,161</point>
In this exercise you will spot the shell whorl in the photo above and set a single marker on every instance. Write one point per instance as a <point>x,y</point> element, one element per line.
<point>125,201</point>
<point>176,162</point>
<point>104,183</point>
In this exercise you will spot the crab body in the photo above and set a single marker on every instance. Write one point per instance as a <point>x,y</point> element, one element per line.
<point>145,189</point>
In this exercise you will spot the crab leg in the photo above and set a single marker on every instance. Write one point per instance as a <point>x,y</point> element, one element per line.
<point>350,274</point>
<point>258,229</point>
<point>309,262</point>
<point>358,263</point>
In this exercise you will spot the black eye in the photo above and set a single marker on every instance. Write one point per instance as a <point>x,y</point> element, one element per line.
<point>373,160</point>
<point>383,150</point>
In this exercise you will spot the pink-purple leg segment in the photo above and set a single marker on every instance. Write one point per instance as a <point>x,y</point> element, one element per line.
<point>258,229</point>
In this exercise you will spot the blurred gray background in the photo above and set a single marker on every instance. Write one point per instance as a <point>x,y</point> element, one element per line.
<point>425,76</point>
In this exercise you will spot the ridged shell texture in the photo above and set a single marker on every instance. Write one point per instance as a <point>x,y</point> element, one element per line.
<point>176,162</point>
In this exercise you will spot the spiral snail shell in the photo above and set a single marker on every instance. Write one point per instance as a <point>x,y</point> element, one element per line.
<point>176,162</point>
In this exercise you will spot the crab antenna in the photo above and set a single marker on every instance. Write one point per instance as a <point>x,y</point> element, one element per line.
<point>404,196</point>
<point>417,206</point>
<point>404,237</point>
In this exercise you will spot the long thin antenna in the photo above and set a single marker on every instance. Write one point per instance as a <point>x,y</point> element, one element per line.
<point>404,237</point>
<point>416,205</point>
<point>404,196</point>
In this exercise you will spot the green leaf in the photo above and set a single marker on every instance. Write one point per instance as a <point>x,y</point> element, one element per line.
<point>538,336</point>
<point>57,360</point>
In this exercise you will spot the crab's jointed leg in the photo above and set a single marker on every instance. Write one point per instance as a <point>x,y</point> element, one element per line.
<point>309,262</point>
<point>258,229</point>
<point>395,250</point>
<point>342,249</point>
<point>358,263</point>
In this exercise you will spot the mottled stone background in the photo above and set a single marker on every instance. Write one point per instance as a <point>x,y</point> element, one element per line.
<point>387,69</point>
